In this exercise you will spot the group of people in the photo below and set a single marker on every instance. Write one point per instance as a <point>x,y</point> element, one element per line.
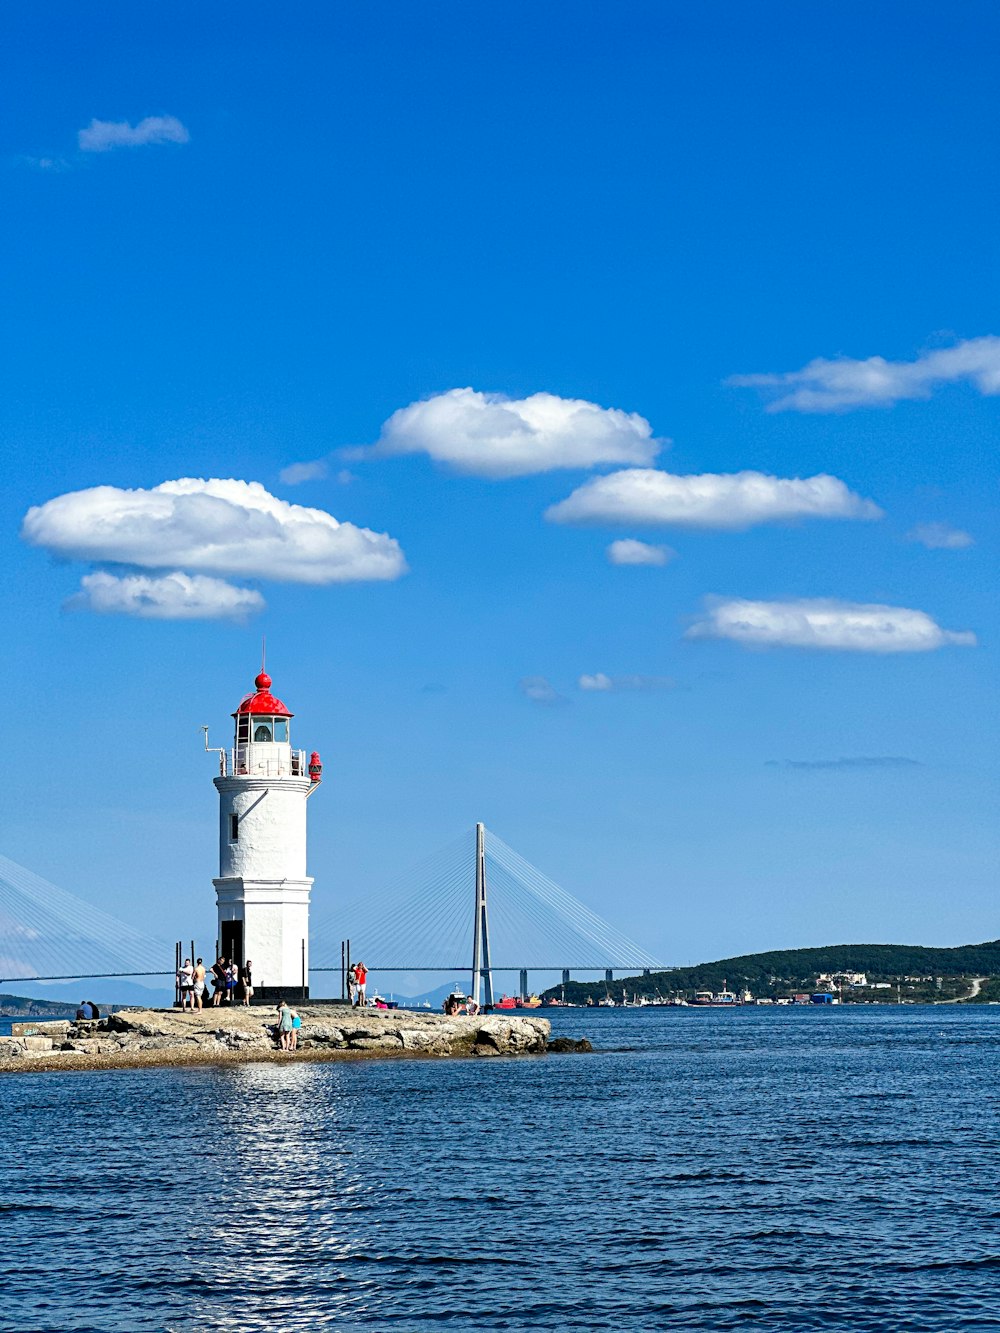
<point>88,1009</point>
<point>457,1003</point>
<point>231,983</point>
<point>357,981</point>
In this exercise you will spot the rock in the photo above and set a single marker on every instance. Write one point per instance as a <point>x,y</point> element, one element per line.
<point>36,1043</point>
<point>569,1045</point>
<point>380,1041</point>
<point>145,1036</point>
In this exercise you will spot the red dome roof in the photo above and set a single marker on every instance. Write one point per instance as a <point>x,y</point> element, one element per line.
<point>263,702</point>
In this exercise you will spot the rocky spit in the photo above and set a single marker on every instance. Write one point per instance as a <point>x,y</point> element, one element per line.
<point>133,1038</point>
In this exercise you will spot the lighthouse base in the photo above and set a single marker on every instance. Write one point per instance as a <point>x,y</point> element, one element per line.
<point>275,994</point>
<point>264,923</point>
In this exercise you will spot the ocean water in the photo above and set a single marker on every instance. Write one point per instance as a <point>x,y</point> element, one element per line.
<point>759,1169</point>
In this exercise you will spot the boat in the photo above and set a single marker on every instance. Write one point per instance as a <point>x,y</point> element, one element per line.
<point>723,999</point>
<point>531,1002</point>
<point>506,1002</point>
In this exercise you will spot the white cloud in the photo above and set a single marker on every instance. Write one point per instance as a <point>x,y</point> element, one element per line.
<point>488,435</point>
<point>216,527</point>
<point>940,537</point>
<point>735,501</point>
<point>628,551</point>
<point>824,623</point>
<point>296,473</point>
<point>173,596</point>
<point>599,682</point>
<point>540,690</point>
<point>100,136</point>
<point>836,384</point>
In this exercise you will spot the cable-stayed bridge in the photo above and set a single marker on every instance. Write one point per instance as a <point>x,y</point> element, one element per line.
<point>475,906</point>
<point>47,934</point>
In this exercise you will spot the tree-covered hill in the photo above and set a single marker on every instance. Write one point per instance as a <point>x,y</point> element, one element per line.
<point>19,1006</point>
<point>784,970</point>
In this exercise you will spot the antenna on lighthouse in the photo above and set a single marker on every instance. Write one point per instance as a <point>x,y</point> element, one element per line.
<point>263,653</point>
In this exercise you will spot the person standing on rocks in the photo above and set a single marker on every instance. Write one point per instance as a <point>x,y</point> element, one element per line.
<point>199,983</point>
<point>361,978</point>
<point>247,982</point>
<point>352,985</point>
<point>293,1036</point>
<point>285,1026</point>
<point>185,984</point>
<point>219,980</point>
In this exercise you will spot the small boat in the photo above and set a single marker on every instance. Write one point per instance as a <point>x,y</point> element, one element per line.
<point>506,1002</point>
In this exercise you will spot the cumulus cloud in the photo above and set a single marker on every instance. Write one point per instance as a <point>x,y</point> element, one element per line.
<point>628,551</point>
<point>940,537</point>
<point>824,623</point>
<point>855,761</point>
<point>735,500</point>
<point>101,136</point>
<point>215,527</point>
<point>174,596</point>
<point>837,384</point>
<point>540,690</point>
<point>601,683</point>
<point>488,435</point>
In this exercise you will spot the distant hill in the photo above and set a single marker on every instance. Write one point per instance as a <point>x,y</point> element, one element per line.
<point>20,1006</point>
<point>783,970</point>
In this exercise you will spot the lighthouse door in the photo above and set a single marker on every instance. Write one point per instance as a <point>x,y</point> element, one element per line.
<point>232,941</point>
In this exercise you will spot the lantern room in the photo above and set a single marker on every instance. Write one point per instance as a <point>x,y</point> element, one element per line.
<point>262,743</point>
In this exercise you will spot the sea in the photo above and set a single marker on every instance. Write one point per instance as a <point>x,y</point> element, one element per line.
<point>762,1168</point>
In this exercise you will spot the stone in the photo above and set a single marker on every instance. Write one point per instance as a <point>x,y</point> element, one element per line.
<point>36,1043</point>
<point>144,1035</point>
<point>569,1045</point>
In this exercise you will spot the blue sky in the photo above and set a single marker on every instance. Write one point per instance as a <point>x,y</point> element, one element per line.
<point>276,230</point>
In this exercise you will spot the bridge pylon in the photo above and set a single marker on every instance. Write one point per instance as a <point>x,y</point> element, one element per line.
<point>482,972</point>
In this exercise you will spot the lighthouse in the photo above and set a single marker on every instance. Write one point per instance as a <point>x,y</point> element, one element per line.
<point>263,889</point>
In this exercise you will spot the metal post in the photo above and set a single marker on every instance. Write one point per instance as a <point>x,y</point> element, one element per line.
<point>303,971</point>
<point>343,973</point>
<point>177,964</point>
<point>348,957</point>
<point>477,914</point>
<point>524,983</point>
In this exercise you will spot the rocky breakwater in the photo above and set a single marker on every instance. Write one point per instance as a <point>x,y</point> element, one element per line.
<point>136,1037</point>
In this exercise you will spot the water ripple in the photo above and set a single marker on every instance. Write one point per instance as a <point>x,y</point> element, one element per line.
<point>783,1171</point>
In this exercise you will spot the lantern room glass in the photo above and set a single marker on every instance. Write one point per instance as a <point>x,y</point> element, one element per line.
<point>262,730</point>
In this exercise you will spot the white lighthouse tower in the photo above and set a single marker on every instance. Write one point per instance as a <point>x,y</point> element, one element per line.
<point>263,889</point>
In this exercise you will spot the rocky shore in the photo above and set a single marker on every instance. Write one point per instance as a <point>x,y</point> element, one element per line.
<point>133,1038</point>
